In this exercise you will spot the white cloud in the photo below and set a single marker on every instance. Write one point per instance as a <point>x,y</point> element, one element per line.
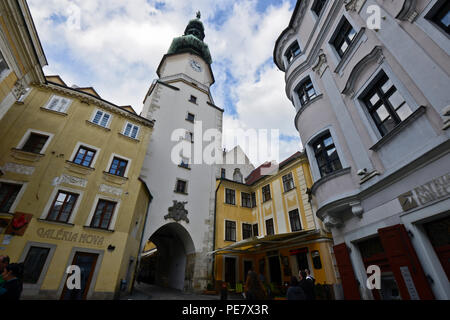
<point>120,43</point>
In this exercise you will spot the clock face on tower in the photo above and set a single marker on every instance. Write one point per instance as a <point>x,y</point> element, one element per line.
<point>196,66</point>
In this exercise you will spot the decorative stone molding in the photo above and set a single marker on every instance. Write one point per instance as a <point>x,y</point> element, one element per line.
<point>74,181</point>
<point>178,212</point>
<point>18,168</point>
<point>357,209</point>
<point>354,5</point>
<point>111,190</point>
<point>375,55</point>
<point>408,12</point>
<point>20,89</point>
<point>26,156</point>
<point>332,222</point>
<point>321,64</point>
<point>114,179</point>
<point>76,168</point>
<point>446,117</point>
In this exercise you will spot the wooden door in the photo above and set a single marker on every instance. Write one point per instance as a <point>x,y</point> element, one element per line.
<point>348,278</point>
<point>86,262</point>
<point>230,271</point>
<point>405,264</point>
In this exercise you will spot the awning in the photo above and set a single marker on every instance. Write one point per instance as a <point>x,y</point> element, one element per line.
<point>258,243</point>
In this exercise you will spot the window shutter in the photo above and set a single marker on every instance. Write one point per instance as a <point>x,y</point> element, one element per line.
<point>349,282</point>
<point>404,263</point>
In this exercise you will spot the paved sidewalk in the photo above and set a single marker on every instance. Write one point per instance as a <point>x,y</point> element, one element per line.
<point>144,291</point>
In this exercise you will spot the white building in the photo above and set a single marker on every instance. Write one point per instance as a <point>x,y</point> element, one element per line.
<point>373,114</point>
<point>181,216</point>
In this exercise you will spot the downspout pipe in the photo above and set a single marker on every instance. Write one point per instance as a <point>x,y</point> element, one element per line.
<point>214,235</point>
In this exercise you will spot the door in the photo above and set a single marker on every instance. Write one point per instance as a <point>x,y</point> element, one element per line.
<point>230,271</point>
<point>248,265</point>
<point>275,270</point>
<point>439,234</point>
<point>86,262</point>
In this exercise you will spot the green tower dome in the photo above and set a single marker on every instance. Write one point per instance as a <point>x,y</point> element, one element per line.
<point>192,41</point>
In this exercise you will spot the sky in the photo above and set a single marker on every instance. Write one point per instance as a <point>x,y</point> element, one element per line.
<point>115,46</point>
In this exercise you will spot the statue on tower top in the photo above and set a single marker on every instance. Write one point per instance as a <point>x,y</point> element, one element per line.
<point>199,15</point>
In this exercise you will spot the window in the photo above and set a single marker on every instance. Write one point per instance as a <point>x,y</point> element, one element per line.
<point>318,6</point>
<point>246,231</point>
<point>344,38</point>
<point>223,174</point>
<point>292,52</point>
<point>193,99</point>
<point>288,182</point>
<point>326,155</point>
<point>306,91</point>
<point>103,214</point>
<point>131,131</point>
<point>246,200</point>
<point>84,157</point>
<point>441,16</point>
<point>386,105</point>
<point>316,260</point>
<point>266,193</point>
<point>190,117</point>
<point>34,263</point>
<point>190,136</point>
<point>254,200</point>
<point>269,227</point>
<point>62,207</point>
<point>294,217</point>
<point>3,64</point>
<point>230,196</point>
<point>8,194</point>
<point>101,118</point>
<point>58,104</point>
<point>181,187</point>
<point>35,143</point>
<point>184,163</point>
<point>118,167</point>
<point>255,230</point>
<point>230,231</point>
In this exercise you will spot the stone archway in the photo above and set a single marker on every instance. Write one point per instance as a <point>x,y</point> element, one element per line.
<point>176,257</point>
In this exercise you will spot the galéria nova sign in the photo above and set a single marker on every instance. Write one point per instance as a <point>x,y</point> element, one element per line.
<point>436,189</point>
<point>62,235</point>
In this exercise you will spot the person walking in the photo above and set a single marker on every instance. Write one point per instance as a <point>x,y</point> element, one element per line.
<point>254,289</point>
<point>12,287</point>
<point>309,277</point>
<point>307,285</point>
<point>4,261</point>
<point>295,292</point>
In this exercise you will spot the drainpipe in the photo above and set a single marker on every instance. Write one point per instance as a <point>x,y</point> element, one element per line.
<point>138,263</point>
<point>214,231</point>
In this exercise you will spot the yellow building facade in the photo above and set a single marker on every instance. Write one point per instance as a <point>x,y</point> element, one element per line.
<point>268,225</point>
<point>70,183</point>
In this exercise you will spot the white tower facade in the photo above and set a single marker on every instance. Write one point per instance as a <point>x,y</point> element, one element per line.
<point>181,216</point>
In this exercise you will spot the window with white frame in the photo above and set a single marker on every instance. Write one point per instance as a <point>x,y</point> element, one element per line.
<point>439,15</point>
<point>189,136</point>
<point>35,143</point>
<point>8,194</point>
<point>230,230</point>
<point>62,207</point>
<point>131,131</point>
<point>344,37</point>
<point>103,214</point>
<point>292,52</point>
<point>306,91</point>
<point>246,231</point>
<point>318,6</point>
<point>184,163</point>
<point>58,104</point>
<point>4,68</point>
<point>230,196</point>
<point>270,227</point>
<point>288,182</point>
<point>101,118</point>
<point>326,154</point>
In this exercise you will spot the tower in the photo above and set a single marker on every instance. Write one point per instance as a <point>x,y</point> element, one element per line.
<point>181,217</point>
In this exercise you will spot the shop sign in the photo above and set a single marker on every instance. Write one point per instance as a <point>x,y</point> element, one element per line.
<point>297,251</point>
<point>409,283</point>
<point>19,224</point>
<point>62,235</point>
<point>436,189</point>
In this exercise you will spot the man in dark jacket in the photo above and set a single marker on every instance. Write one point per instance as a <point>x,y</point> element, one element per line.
<point>307,285</point>
<point>12,287</point>
<point>295,292</point>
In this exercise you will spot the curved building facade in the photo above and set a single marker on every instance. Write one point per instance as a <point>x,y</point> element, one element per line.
<point>372,107</point>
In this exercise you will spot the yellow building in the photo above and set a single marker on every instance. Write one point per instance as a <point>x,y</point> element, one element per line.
<point>71,164</point>
<point>267,225</point>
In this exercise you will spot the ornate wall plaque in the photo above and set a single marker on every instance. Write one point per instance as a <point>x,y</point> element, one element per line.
<point>178,212</point>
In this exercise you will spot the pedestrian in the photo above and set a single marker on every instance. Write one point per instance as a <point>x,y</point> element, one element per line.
<point>224,291</point>
<point>307,285</point>
<point>4,261</point>
<point>309,277</point>
<point>295,292</point>
<point>12,287</point>
<point>254,289</point>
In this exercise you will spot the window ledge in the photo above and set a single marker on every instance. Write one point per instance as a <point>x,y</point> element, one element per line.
<point>54,112</point>
<point>129,138</point>
<point>294,188</point>
<point>98,229</point>
<point>329,177</point>
<point>56,222</point>
<point>402,125</point>
<point>185,168</point>
<point>97,126</point>
<point>230,204</point>
<point>26,156</point>
<point>183,193</point>
<point>71,166</point>
<point>266,201</point>
<point>114,179</point>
